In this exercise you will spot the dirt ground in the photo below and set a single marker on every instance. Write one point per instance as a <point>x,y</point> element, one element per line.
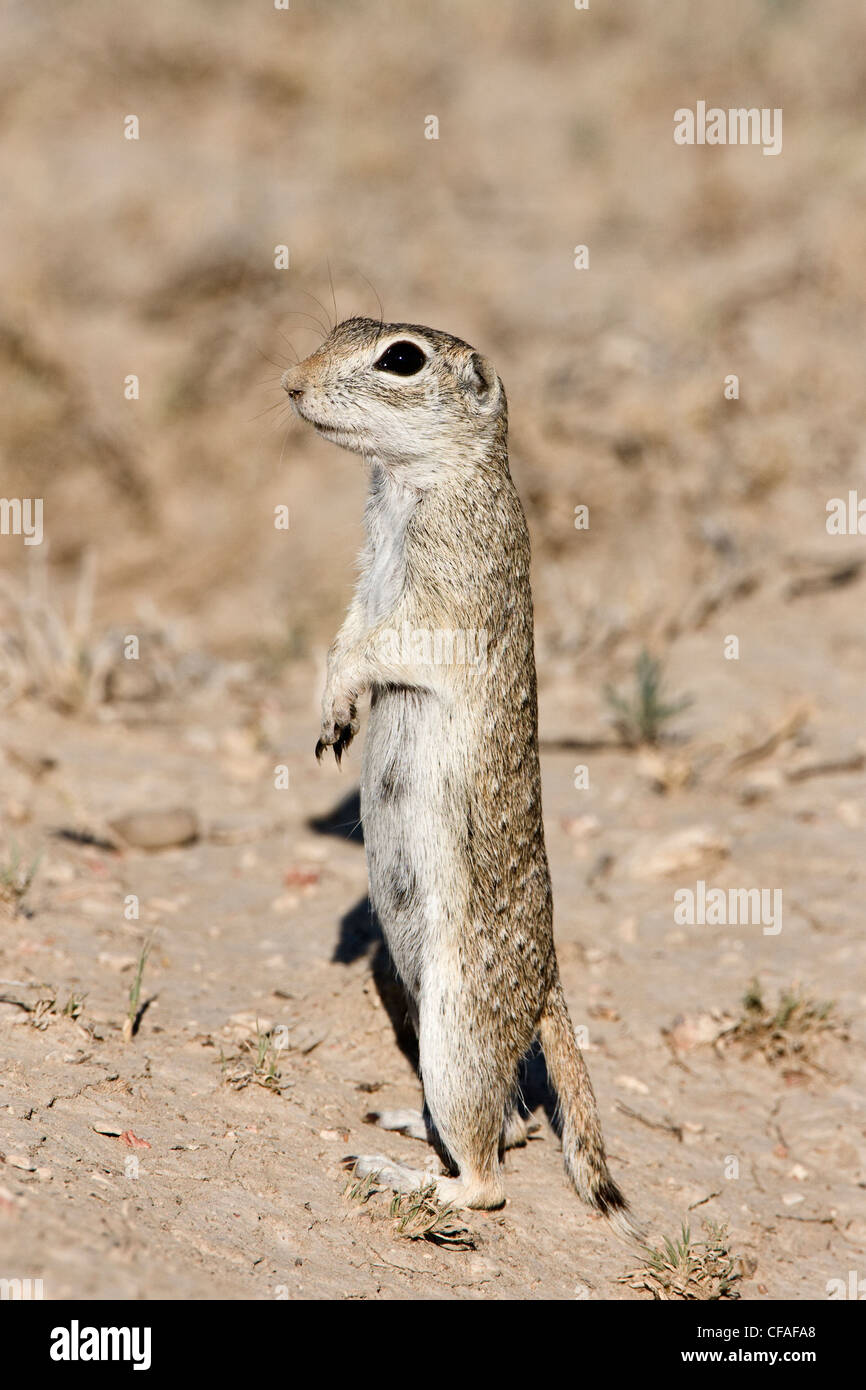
<point>202,1156</point>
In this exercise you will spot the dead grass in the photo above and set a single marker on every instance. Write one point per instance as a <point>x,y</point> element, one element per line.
<point>54,652</point>
<point>46,652</point>
<point>418,1215</point>
<point>256,1063</point>
<point>784,1032</point>
<point>16,876</point>
<point>49,1009</point>
<point>689,1270</point>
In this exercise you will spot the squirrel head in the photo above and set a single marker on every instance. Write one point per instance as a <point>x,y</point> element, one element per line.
<point>409,397</point>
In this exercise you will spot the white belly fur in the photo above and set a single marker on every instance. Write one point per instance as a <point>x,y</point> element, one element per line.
<point>413,750</point>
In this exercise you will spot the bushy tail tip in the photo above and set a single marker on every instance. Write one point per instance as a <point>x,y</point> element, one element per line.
<point>582,1143</point>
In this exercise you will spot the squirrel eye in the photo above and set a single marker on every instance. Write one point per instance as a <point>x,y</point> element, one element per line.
<point>403,359</point>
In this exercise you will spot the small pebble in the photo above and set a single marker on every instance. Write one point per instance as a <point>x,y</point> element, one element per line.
<point>157,829</point>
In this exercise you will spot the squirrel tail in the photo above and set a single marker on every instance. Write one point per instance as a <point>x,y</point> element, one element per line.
<point>582,1143</point>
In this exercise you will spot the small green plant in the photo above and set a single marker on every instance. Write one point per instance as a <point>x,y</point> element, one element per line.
<point>361,1189</point>
<point>16,876</point>
<point>133,1013</point>
<point>267,1073</point>
<point>256,1061</point>
<point>753,1000</point>
<point>783,1031</point>
<point>640,718</point>
<point>46,1010</point>
<point>689,1270</point>
<point>421,1216</point>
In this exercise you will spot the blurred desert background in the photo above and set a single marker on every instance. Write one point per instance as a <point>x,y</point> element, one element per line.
<point>191,1035</point>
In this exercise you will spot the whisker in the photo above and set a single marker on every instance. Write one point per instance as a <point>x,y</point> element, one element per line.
<point>280,366</point>
<point>267,410</point>
<point>290,344</point>
<point>285,442</point>
<point>333,295</point>
<point>321,306</point>
<point>376,293</point>
<point>312,317</point>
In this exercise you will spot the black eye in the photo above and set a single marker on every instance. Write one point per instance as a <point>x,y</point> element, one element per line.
<point>403,359</point>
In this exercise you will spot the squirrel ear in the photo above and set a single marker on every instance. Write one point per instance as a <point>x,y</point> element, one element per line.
<point>481,379</point>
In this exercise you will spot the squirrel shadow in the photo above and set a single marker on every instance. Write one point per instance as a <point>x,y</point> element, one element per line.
<point>343,821</point>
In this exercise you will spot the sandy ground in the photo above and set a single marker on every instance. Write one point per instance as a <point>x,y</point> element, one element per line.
<point>239,1192</point>
<point>161,1166</point>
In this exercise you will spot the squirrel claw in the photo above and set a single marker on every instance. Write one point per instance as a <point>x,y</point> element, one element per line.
<point>340,741</point>
<point>344,737</point>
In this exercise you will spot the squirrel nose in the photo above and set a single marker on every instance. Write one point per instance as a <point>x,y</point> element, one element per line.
<point>289,383</point>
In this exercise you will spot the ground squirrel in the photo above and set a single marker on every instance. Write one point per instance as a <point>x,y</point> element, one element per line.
<point>440,632</point>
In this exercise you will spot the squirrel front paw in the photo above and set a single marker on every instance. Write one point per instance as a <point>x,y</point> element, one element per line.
<point>339,727</point>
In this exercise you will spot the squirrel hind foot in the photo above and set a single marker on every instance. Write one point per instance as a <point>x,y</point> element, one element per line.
<point>452,1192</point>
<point>408,1122</point>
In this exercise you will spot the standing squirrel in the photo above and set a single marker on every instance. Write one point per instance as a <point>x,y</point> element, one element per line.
<point>440,632</point>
